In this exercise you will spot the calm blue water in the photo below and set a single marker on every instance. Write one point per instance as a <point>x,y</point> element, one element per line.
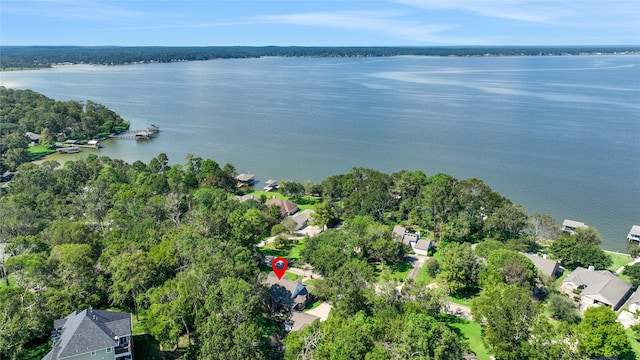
<point>560,135</point>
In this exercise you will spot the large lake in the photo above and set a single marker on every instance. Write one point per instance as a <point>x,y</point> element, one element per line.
<point>560,135</point>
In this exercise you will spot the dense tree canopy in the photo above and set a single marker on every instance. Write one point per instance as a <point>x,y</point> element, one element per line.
<point>23,111</point>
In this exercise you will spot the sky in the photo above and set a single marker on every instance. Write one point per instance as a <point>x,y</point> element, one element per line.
<point>319,23</point>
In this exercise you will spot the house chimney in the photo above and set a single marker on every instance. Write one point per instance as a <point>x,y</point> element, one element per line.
<point>591,268</point>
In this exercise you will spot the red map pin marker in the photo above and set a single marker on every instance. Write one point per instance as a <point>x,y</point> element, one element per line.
<point>279,266</point>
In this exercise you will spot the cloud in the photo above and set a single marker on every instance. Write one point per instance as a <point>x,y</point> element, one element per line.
<point>69,9</point>
<point>386,23</point>
<point>568,12</point>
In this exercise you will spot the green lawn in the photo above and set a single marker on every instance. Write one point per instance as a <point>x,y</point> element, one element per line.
<point>303,202</point>
<point>465,298</point>
<point>618,260</point>
<point>292,276</point>
<point>471,332</point>
<point>38,151</point>
<point>312,305</point>
<point>291,251</point>
<point>423,276</point>
<point>309,282</point>
<point>635,345</point>
<point>397,270</point>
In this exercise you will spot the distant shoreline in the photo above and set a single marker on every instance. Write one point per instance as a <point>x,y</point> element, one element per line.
<point>17,58</point>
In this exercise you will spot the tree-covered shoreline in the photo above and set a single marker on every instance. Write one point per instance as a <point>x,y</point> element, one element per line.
<point>34,57</point>
<point>27,116</point>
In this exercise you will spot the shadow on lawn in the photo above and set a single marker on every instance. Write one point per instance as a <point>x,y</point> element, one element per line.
<point>145,347</point>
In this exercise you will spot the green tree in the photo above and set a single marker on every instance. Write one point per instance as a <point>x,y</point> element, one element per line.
<point>130,276</point>
<point>507,313</point>
<point>291,188</point>
<point>459,268</point>
<point>422,337</point>
<point>588,235</point>
<point>562,308</point>
<point>507,221</point>
<point>512,268</point>
<point>323,214</point>
<point>348,288</point>
<point>543,227</point>
<point>633,272</point>
<point>599,335</point>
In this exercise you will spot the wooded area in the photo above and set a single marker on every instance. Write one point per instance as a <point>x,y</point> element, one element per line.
<point>26,111</point>
<point>24,57</point>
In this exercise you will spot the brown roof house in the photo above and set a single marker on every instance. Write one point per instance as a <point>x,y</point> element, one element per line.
<point>596,288</point>
<point>92,334</point>
<point>287,294</point>
<point>286,207</point>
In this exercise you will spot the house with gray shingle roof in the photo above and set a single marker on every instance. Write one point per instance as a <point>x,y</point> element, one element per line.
<point>286,293</point>
<point>92,334</point>
<point>302,219</point>
<point>404,236</point>
<point>544,265</point>
<point>596,288</point>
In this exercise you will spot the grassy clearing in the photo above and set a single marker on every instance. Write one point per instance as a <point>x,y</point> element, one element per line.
<point>39,151</point>
<point>400,270</point>
<point>292,276</point>
<point>635,345</point>
<point>618,260</point>
<point>291,251</point>
<point>423,276</point>
<point>303,202</point>
<point>312,305</point>
<point>465,298</point>
<point>309,282</point>
<point>471,332</point>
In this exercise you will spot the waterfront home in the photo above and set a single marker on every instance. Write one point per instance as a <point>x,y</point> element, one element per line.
<point>544,265</point>
<point>286,207</point>
<point>569,226</point>
<point>634,234</point>
<point>596,288</point>
<point>245,179</point>
<point>92,334</point>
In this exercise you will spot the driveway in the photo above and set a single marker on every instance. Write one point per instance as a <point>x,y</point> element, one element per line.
<point>322,311</point>
<point>416,262</point>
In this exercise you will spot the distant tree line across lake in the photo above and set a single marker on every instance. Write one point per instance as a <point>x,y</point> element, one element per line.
<point>26,57</point>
